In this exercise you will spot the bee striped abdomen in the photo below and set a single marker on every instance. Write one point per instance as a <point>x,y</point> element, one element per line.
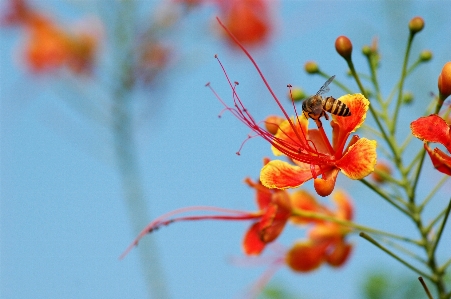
<point>336,107</point>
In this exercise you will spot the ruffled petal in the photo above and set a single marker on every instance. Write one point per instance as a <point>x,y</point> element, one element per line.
<point>293,137</point>
<point>432,128</point>
<point>305,256</point>
<point>252,244</point>
<point>281,175</point>
<point>358,105</point>
<point>440,160</point>
<point>359,159</point>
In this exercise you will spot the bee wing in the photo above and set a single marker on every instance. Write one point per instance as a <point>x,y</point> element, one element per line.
<point>325,88</point>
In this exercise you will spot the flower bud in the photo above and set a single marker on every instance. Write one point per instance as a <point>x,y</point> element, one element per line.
<point>311,67</point>
<point>425,55</point>
<point>366,50</point>
<point>381,171</point>
<point>444,81</point>
<point>297,94</point>
<point>407,98</point>
<point>344,47</point>
<point>272,123</point>
<point>416,25</point>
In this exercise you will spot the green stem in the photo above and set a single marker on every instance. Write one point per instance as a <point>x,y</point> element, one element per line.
<point>373,113</point>
<point>385,196</point>
<point>307,214</point>
<point>425,287</point>
<point>433,191</point>
<point>336,82</point>
<point>126,152</point>
<point>440,230</point>
<point>445,265</point>
<point>401,85</point>
<point>374,242</point>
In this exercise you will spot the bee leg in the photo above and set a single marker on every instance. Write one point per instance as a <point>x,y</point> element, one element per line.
<point>325,115</point>
<point>319,124</point>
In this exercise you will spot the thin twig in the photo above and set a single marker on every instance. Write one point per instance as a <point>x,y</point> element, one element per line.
<point>425,287</point>
<point>405,263</point>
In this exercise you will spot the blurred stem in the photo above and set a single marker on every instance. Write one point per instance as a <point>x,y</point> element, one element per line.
<point>425,287</point>
<point>381,193</point>
<point>389,140</point>
<point>307,214</point>
<point>374,242</point>
<point>440,230</point>
<point>135,201</point>
<point>433,191</point>
<point>401,85</point>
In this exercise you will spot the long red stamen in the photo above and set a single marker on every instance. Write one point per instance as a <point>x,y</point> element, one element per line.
<point>165,220</point>
<point>294,150</point>
<point>261,75</point>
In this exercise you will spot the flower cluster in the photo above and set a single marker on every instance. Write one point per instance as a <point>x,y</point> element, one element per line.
<point>325,240</point>
<point>48,46</point>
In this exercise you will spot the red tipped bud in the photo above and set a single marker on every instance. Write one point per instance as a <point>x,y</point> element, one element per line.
<point>272,123</point>
<point>416,25</point>
<point>444,81</point>
<point>344,47</point>
<point>311,67</point>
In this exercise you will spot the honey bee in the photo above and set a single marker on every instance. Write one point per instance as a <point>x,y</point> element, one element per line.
<point>316,106</point>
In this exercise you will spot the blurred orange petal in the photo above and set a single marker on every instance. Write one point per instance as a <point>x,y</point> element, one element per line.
<point>252,245</point>
<point>339,254</point>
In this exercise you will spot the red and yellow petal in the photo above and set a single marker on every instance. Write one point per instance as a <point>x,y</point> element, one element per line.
<point>440,160</point>
<point>305,256</point>
<point>432,128</point>
<point>359,159</point>
<point>294,133</point>
<point>252,244</point>
<point>358,105</point>
<point>281,175</point>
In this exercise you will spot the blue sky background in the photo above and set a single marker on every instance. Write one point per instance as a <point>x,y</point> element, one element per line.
<point>63,219</point>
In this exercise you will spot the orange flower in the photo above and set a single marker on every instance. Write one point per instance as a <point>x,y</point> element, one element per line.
<point>309,149</point>
<point>48,46</point>
<point>433,128</point>
<point>313,154</point>
<point>326,240</point>
<point>248,20</point>
<point>274,209</point>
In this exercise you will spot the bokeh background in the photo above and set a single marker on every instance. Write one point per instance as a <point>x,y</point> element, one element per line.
<point>64,221</point>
